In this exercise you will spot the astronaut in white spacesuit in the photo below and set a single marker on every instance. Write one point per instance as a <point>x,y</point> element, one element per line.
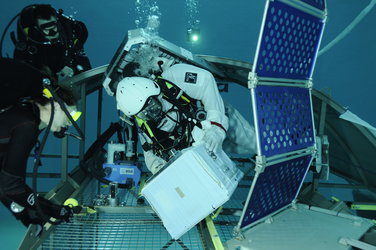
<point>182,108</point>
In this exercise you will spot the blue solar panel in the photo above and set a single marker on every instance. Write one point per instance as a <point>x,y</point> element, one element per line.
<point>284,118</point>
<point>275,188</point>
<point>289,43</point>
<point>320,4</point>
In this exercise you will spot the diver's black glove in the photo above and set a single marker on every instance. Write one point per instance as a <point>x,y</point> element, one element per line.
<point>66,214</point>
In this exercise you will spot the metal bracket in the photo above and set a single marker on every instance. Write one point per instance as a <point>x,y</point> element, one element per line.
<point>322,156</point>
<point>355,243</point>
<point>364,206</point>
<point>252,80</point>
<point>237,233</point>
<point>309,83</point>
<point>293,204</point>
<point>269,220</point>
<point>260,163</point>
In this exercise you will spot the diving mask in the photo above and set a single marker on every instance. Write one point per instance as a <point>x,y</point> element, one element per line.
<point>152,110</point>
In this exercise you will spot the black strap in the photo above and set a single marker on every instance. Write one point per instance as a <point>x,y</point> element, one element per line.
<point>172,94</point>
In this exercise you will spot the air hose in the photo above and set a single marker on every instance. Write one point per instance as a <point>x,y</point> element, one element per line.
<point>43,143</point>
<point>349,28</point>
<point>36,165</point>
<point>4,33</point>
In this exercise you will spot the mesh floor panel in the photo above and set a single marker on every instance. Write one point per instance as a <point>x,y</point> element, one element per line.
<point>225,225</point>
<point>118,231</point>
<point>228,219</point>
<point>136,230</point>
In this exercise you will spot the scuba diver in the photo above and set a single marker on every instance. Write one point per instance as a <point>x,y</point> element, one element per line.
<point>179,109</point>
<point>26,108</point>
<point>47,37</point>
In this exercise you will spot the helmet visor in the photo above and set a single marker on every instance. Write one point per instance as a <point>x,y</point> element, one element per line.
<point>152,110</point>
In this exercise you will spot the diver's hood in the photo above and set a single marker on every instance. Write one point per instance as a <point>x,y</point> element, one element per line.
<point>28,31</point>
<point>14,85</point>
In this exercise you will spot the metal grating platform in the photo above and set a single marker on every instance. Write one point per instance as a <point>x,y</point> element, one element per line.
<point>284,119</point>
<point>289,43</point>
<point>118,231</point>
<point>275,188</point>
<point>135,226</point>
<point>225,225</point>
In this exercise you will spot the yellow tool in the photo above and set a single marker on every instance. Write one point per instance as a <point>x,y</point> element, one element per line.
<point>80,210</point>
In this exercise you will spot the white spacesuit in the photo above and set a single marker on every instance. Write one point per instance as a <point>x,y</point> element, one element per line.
<point>160,115</point>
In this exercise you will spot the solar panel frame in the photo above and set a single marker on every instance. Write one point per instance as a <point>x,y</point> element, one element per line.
<point>288,43</point>
<point>281,180</point>
<point>280,84</point>
<point>284,119</point>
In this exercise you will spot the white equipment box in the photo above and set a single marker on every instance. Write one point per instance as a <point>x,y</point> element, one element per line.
<point>191,187</point>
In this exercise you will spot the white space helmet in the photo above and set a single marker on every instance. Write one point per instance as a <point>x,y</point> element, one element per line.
<point>133,92</point>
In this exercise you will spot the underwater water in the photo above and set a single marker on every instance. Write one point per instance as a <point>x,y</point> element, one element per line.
<point>228,29</point>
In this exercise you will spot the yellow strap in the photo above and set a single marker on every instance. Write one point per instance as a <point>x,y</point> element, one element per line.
<point>363,207</point>
<point>141,122</point>
<point>217,212</point>
<point>169,85</point>
<point>185,99</point>
<point>335,199</point>
<point>89,210</point>
<point>214,234</point>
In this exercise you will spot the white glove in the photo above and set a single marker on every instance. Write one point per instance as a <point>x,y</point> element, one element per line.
<point>64,73</point>
<point>213,136</point>
<point>153,162</point>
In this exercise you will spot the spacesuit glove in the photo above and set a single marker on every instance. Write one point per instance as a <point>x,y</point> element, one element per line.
<point>157,165</point>
<point>153,162</point>
<point>65,72</point>
<point>214,136</point>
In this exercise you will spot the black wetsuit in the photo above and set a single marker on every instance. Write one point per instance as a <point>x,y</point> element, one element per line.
<point>67,51</point>
<point>18,134</point>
